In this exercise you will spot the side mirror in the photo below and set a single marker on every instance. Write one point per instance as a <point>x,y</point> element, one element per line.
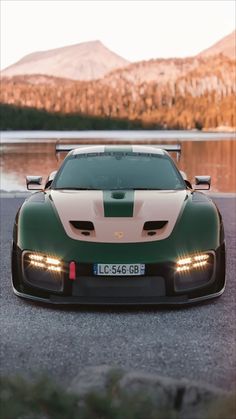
<point>202,182</point>
<point>50,179</point>
<point>33,181</point>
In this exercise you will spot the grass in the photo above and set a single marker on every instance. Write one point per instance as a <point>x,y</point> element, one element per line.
<point>43,399</point>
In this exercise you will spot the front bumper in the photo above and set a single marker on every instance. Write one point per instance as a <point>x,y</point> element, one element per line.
<point>148,290</point>
<point>62,300</point>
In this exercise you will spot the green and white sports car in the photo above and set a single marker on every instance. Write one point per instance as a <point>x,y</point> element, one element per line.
<point>118,225</point>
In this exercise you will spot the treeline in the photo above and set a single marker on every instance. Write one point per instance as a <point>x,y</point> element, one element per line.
<point>23,118</point>
<point>186,94</point>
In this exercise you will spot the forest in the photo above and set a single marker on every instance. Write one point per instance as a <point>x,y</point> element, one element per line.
<point>158,94</point>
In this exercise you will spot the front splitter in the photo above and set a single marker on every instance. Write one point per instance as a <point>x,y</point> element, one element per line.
<point>63,300</point>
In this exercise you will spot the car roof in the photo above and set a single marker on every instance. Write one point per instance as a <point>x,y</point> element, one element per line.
<point>117,149</point>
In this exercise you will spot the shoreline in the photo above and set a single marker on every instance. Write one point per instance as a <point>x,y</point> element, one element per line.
<point>111,137</point>
<point>125,135</point>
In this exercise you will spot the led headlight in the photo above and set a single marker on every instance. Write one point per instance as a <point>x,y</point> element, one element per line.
<point>192,262</point>
<point>45,262</point>
<point>193,271</point>
<point>43,271</point>
<point>35,257</point>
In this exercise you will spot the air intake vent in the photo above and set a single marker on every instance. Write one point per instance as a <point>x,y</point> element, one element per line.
<point>118,195</point>
<point>83,225</point>
<point>154,225</point>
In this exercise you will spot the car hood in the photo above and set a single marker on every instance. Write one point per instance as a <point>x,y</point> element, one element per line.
<point>118,216</point>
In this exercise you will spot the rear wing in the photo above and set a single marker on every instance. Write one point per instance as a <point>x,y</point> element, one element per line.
<point>65,148</point>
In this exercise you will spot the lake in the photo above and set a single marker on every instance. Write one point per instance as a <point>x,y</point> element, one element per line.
<point>33,153</point>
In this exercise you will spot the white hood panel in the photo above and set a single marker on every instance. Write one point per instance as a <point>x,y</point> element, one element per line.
<point>148,206</point>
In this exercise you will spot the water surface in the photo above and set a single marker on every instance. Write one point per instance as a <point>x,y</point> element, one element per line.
<point>202,154</point>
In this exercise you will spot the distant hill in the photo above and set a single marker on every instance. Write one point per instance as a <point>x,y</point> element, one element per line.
<point>161,71</point>
<point>226,46</point>
<point>85,61</point>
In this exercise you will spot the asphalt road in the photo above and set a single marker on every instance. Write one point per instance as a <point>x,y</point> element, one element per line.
<point>197,342</point>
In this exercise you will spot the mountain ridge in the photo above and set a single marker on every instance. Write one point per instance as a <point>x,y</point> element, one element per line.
<point>84,61</point>
<point>225,46</point>
<point>92,60</point>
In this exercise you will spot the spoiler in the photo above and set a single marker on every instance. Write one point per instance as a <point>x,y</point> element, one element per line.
<point>65,148</point>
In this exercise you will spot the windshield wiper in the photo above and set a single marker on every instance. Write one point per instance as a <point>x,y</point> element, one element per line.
<point>145,189</point>
<point>76,189</point>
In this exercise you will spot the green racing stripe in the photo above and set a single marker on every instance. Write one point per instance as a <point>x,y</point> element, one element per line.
<point>118,203</point>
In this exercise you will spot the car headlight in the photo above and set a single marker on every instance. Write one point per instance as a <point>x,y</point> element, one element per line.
<point>192,262</point>
<point>194,271</point>
<point>45,262</point>
<point>43,271</point>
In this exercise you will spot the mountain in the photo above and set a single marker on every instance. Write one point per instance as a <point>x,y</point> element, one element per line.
<point>92,60</point>
<point>176,93</point>
<point>85,61</point>
<point>199,95</point>
<point>226,46</point>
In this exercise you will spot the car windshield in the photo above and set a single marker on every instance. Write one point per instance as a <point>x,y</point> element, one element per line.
<point>116,171</point>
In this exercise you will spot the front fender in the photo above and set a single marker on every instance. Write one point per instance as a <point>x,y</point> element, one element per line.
<point>199,224</point>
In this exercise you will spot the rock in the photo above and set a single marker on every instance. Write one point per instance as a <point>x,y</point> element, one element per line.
<point>189,399</point>
<point>94,379</point>
<point>161,390</point>
<point>197,399</point>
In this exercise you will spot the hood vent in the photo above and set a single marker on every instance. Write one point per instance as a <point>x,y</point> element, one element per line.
<point>83,225</point>
<point>154,225</point>
<point>118,195</point>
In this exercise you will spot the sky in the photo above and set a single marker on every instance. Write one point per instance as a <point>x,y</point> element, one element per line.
<point>136,30</point>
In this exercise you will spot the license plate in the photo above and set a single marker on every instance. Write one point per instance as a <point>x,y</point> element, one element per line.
<point>116,269</point>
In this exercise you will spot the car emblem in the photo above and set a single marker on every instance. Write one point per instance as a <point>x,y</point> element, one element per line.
<point>119,234</point>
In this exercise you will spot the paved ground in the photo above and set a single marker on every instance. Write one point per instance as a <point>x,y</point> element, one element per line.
<point>197,342</point>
